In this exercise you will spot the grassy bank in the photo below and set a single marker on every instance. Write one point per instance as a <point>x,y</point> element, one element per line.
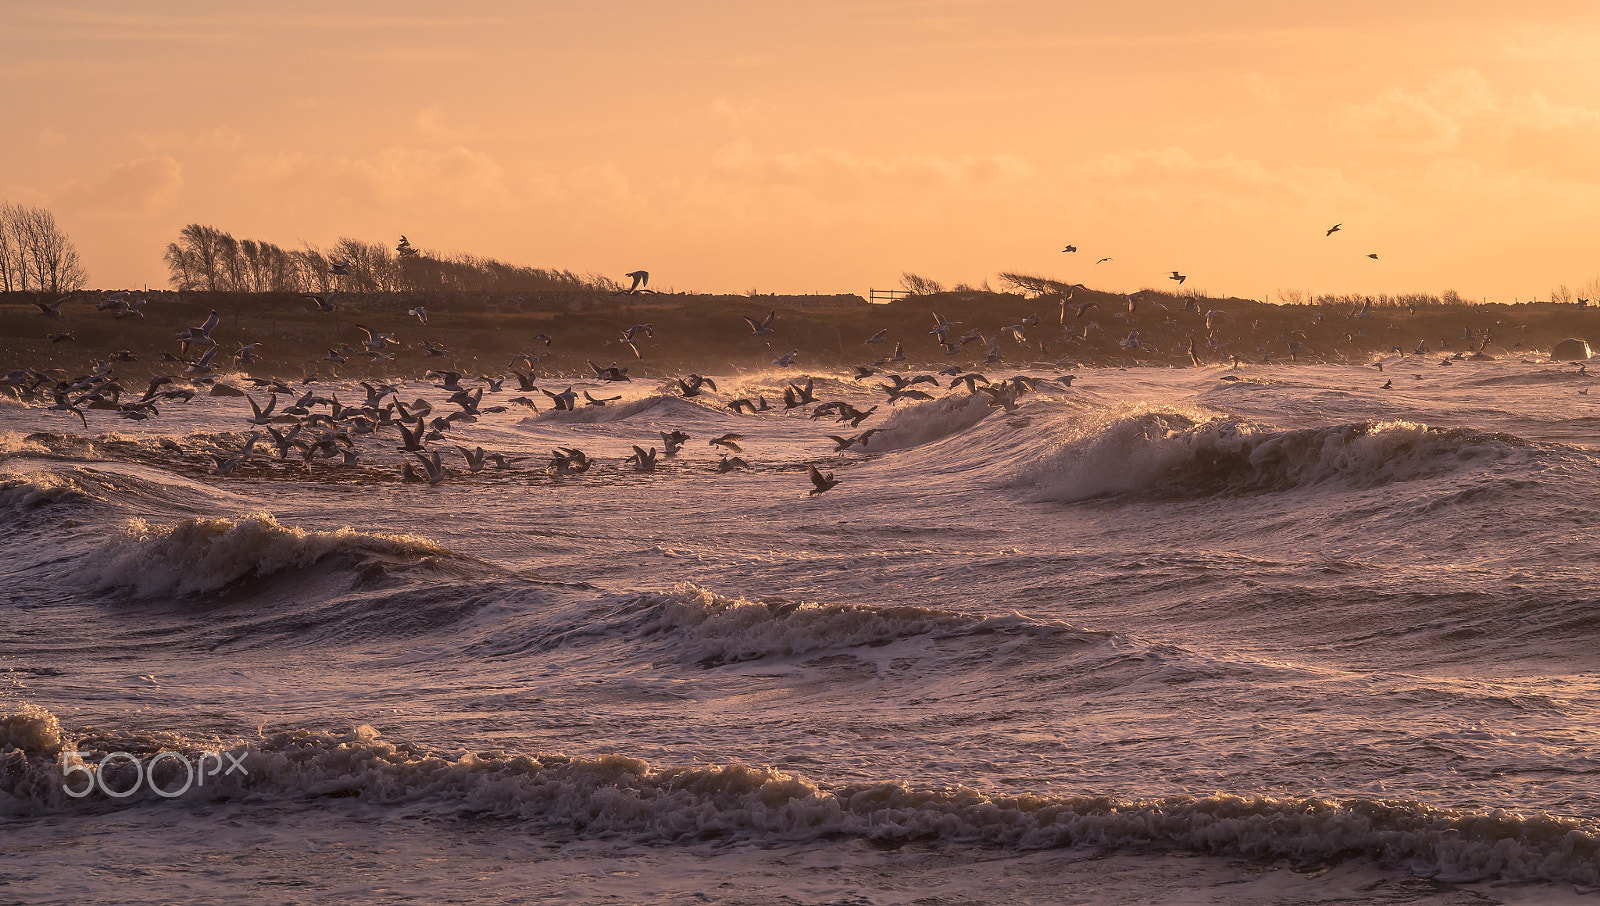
<point>707,333</point>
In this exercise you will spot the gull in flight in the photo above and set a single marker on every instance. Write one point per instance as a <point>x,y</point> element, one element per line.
<point>420,313</point>
<point>1333,229</point>
<point>641,279</point>
<point>643,460</point>
<point>787,359</point>
<point>435,466</point>
<point>199,336</point>
<point>324,301</point>
<point>763,327</point>
<point>52,309</point>
<point>822,480</point>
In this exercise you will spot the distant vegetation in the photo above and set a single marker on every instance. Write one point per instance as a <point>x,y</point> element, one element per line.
<point>35,254</point>
<point>207,258</point>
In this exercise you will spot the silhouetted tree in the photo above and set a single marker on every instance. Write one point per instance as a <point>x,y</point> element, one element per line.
<point>920,286</point>
<point>198,259</point>
<point>37,254</point>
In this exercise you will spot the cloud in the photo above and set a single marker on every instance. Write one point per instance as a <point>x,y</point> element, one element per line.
<point>828,171</point>
<point>457,179</point>
<point>1175,178</point>
<point>1404,122</point>
<point>138,188</point>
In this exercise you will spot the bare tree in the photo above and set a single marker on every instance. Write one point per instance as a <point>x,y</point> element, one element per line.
<point>39,254</point>
<point>920,286</point>
<point>197,259</point>
<point>13,276</point>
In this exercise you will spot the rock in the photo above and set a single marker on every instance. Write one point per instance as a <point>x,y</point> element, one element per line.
<point>1571,349</point>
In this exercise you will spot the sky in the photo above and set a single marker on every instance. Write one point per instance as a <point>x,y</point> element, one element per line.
<point>830,147</point>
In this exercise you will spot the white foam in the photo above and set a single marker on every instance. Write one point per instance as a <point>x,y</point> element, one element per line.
<point>618,794</point>
<point>204,555</point>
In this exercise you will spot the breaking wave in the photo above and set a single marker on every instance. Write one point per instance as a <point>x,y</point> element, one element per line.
<point>610,795</point>
<point>198,556</point>
<point>1165,452</point>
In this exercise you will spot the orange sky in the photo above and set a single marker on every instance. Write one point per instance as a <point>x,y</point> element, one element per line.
<point>828,146</point>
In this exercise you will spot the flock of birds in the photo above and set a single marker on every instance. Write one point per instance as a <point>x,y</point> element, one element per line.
<point>319,428</point>
<point>313,428</point>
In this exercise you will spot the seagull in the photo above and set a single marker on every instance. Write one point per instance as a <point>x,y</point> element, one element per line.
<point>1373,256</point>
<point>420,313</point>
<point>341,268</point>
<point>823,480</point>
<point>52,309</point>
<point>610,372</point>
<point>641,279</point>
<point>376,341</point>
<point>763,327</point>
<point>1070,248</point>
<point>565,400</point>
<point>728,441</point>
<point>787,359</point>
<point>729,463</point>
<point>877,337</point>
<point>325,303</point>
<point>1103,260</point>
<point>474,458</point>
<point>690,386</point>
<point>262,416</point>
<point>1333,229</point>
<point>199,336</point>
<point>134,309</point>
<point>410,439</point>
<point>601,401</point>
<point>673,442</point>
<point>1178,277</point>
<point>435,466</point>
<point>643,460</point>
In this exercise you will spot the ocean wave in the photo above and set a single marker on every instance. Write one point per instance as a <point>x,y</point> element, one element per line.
<point>199,556</point>
<point>1166,452</point>
<point>711,629</point>
<point>35,490</point>
<point>920,423</point>
<point>609,795</point>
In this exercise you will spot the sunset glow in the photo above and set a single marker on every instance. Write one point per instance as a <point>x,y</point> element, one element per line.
<point>829,147</point>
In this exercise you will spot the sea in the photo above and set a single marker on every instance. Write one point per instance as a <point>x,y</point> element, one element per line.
<point>1265,635</point>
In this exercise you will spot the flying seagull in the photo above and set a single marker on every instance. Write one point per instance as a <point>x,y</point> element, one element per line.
<point>823,480</point>
<point>641,279</point>
<point>763,327</point>
<point>1333,229</point>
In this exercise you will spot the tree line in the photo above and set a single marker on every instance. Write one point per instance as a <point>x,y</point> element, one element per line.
<point>207,258</point>
<point>35,255</point>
